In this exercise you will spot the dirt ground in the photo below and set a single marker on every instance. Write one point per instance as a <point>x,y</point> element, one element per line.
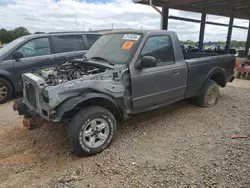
<point>178,146</point>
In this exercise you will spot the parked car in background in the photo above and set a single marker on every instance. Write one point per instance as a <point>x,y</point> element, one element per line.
<point>32,52</point>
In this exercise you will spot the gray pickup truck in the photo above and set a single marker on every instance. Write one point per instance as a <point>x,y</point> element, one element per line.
<point>124,73</point>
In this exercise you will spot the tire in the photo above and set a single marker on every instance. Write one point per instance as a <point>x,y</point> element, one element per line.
<point>238,75</point>
<point>210,94</point>
<point>244,74</point>
<point>86,122</point>
<point>248,75</point>
<point>5,90</point>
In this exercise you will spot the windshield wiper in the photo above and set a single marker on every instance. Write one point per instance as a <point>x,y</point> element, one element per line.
<point>101,58</point>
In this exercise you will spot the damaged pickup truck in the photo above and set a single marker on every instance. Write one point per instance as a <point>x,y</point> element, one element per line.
<point>124,73</point>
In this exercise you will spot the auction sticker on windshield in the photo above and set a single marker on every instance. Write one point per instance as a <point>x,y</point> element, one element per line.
<point>131,37</point>
<point>127,45</point>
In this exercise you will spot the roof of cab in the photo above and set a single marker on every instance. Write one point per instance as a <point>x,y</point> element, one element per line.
<point>60,33</point>
<point>143,32</point>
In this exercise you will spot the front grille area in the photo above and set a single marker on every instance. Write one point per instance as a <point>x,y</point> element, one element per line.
<point>30,94</point>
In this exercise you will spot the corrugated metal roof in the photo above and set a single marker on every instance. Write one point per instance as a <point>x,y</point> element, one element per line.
<point>236,8</point>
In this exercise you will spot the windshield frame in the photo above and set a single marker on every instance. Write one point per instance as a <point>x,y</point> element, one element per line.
<point>133,51</point>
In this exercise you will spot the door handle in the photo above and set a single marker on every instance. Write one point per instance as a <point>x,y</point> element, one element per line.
<point>176,72</point>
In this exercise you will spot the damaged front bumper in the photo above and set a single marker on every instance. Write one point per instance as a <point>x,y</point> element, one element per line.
<point>23,109</point>
<point>31,119</point>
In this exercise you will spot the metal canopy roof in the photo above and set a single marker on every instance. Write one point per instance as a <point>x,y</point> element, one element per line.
<point>235,8</point>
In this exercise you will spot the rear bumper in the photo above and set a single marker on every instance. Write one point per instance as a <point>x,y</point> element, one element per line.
<point>22,109</point>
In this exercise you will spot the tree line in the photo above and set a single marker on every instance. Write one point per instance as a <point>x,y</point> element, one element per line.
<point>234,43</point>
<point>6,36</point>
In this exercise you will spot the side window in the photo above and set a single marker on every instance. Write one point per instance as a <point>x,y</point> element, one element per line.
<point>92,38</point>
<point>161,48</point>
<point>68,43</point>
<point>35,47</point>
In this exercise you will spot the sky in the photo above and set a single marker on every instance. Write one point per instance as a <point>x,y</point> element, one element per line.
<point>78,15</point>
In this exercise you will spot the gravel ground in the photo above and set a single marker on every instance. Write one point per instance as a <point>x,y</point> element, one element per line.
<point>178,146</point>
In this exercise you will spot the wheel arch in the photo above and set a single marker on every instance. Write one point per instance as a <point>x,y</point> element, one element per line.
<point>7,77</point>
<point>219,78</point>
<point>71,106</point>
<point>218,75</point>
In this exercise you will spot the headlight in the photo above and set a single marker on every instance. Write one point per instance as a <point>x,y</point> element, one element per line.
<point>45,96</point>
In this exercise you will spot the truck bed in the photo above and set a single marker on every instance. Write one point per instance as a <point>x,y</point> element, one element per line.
<point>206,64</point>
<point>192,55</point>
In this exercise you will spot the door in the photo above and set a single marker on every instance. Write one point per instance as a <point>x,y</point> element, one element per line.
<point>162,84</point>
<point>36,55</point>
<point>68,47</point>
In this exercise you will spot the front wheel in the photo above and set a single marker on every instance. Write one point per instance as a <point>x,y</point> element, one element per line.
<point>5,90</point>
<point>210,94</point>
<point>91,131</point>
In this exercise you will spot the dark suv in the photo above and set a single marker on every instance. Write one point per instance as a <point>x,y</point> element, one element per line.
<point>32,52</point>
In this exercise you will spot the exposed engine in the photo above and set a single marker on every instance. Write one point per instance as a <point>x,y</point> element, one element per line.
<point>69,71</point>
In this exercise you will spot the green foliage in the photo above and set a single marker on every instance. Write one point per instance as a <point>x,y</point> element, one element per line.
<point>238,44</point>
<point>234,43</point>
<point>8,36</point>
<point>188,42</point>
<point>38,32</point>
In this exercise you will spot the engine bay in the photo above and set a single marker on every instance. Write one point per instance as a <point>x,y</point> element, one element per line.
<point>68,71</point>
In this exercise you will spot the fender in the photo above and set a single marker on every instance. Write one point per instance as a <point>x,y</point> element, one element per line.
<point>211,73</point>
<point>71,103</point>
<point>216,70</point>
<point>6,74</point>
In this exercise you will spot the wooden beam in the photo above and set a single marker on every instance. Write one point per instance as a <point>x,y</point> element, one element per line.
<point>165,12</point>
<point>223,4</point>
<point>240,27</point>
<point>184,19</point>
<point>218,24</point>
<point>207,22</point>
<point>202,31</point>
<point>248,41</point>
<point>218,12</point>
<point>229,34</point>
<point>173,3</point>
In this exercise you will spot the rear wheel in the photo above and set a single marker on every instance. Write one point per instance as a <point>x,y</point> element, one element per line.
<point>91,131</point>
<point>5,90</point>
<point>244,74</point>
<point>210,94</point>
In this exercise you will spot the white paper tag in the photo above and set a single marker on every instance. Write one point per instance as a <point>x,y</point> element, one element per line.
<point>131,37</point>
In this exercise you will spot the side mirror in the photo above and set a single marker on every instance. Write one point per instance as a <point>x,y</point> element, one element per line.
<point>146,62</point>
<point>17,55</point>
